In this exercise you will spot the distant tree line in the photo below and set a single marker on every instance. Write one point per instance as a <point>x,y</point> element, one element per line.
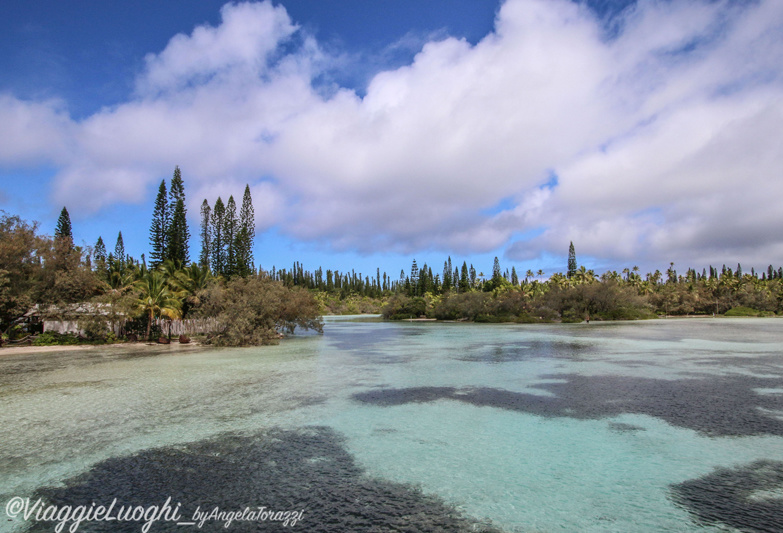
<point>255,305</point>
<point>580,294</point>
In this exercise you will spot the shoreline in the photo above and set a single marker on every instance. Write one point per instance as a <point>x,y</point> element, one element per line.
<point>597,321</point>
<point>28,350</point>
<point>7,350</point>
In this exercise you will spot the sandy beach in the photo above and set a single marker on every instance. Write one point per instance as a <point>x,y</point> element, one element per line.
<point>27,350</point>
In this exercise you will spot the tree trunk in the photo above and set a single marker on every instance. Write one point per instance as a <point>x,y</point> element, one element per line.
<point>149,326</point>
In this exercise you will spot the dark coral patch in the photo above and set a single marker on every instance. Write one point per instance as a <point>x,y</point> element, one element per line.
<point>306,469</point>
<point>719,406</point>
<point>748,498</point>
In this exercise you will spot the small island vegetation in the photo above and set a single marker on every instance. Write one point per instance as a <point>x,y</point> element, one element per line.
<point>97,297</point>
<point>224,299</point>
<point>581,295</point>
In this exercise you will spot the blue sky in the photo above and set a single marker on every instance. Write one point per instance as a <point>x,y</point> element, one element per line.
<point>372,133</point>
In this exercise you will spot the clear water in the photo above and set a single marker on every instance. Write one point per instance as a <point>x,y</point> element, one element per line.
<point>530,427</point>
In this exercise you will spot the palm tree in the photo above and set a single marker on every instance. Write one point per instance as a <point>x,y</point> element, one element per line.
<point>645,287</point>
<point>157,298</point>
<point>584,276</point>
<point>119,281</point>
<point>190,281</point>
<point>559,280</point>
<point>169,268</point>
<point>711,284</point>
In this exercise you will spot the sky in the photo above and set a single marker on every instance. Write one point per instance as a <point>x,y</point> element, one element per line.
<point>373,133</point>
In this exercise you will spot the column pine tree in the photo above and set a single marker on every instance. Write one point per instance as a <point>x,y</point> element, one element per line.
<point>63,230</point>
<point>119,252</point>
<point>177,233</point>
<point>206,235</point>
<point>230,226</point>
<point>218,238</point>
<point>99,252</point>
<point>159,227</point>
<point>571,261</point>
<point>245,235</point>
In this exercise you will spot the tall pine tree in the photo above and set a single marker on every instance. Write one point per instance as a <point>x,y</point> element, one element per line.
<point>99,255</point>
<point>218,241</point>
<point>177,233</point>
<point>230,224</point>
<point>571,261</point>
<point>63,229</point>
<point>159,227</point>
<point>119,252</point>
<point>178,236</point>
<point>177,188</point>
<point>496,275</point>
<point>245,236</point>
<point>206,234</point>
<point>99,252</point>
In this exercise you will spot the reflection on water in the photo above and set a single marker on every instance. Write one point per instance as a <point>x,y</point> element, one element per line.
<point>600,427</point>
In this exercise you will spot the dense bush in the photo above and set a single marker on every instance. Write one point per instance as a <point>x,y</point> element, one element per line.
<point>94,327</point>
<point>743,311</point>
<point>256,310</point>
<point>333,304</point>
<point>464,305</point>
<point>400,307</point>
<point>511,306</point>
<point>597,301</point>
<point>52,338</point>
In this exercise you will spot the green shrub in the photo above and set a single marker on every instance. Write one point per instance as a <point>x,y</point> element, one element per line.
<point>400,307</point>
<point>625,313</point>
<point>254,311</point>
<point>52,338</point>
<point>572,316</point>
<point>472,305</point>
<point>741,311</point>
<point>94,328</point>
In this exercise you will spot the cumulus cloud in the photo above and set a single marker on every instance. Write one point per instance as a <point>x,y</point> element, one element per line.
<point>32,131</point>
<point>689,181</point>
<point>662,134</point>
<point>242,43</point>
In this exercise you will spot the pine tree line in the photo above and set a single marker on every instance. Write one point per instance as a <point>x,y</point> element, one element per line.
<point>227,237</point>
<point>169,234</point>
<point>335,281</point>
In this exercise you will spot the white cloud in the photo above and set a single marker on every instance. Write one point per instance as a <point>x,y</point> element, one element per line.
<point>32,132</point>
<point>241,44</point>
<point>664,138</point>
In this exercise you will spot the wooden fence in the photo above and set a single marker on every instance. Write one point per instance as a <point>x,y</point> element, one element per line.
<point>190,326</point>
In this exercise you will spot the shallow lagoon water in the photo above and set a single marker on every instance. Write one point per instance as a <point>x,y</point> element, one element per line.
<point>667,425</point>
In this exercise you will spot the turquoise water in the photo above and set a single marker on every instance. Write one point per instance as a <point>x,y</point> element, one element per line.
<point>599,427</point>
